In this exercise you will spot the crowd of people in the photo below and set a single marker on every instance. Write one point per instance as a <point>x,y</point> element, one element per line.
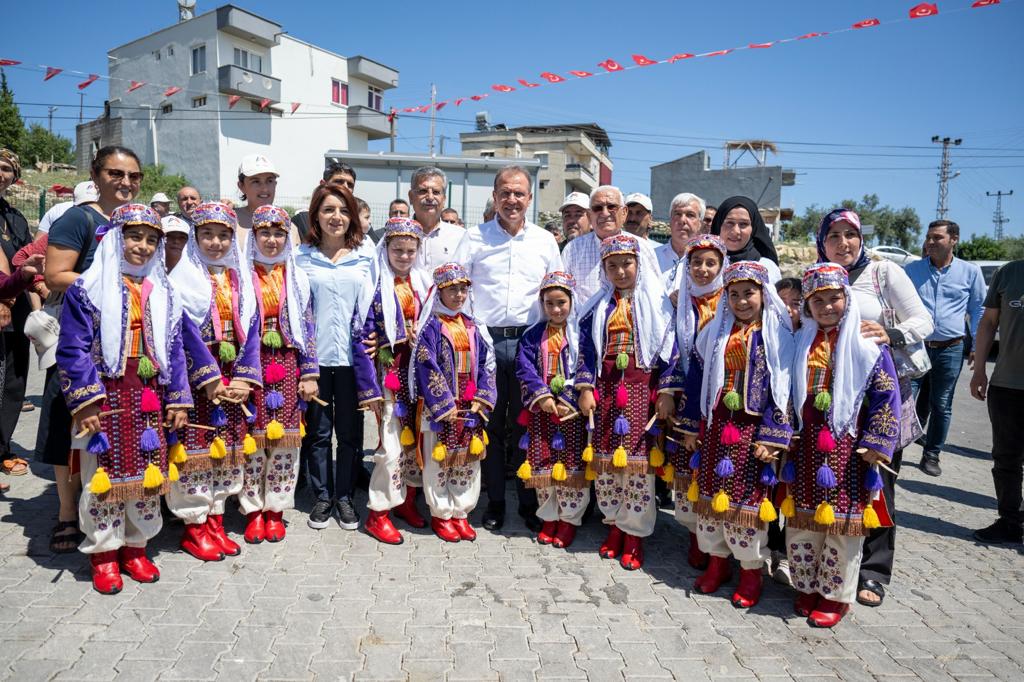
<point>221,351</point>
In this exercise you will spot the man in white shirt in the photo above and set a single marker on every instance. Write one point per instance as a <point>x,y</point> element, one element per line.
<point>85,193</point>
<point>427,197</point>
<point>638,217</point>
<point>686,220</point>
<point>507,258</point>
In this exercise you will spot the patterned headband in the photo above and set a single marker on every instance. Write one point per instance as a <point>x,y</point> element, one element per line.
<point>449,274</point>
<point>620,244</point>
<point>214,212</point>
<point>823,276</point>
<point>11,158</point>
<point>135,214</point>
<point>403,227</point>
<point>270,216</point>
<point>707,241</point>
<point>745,270</point>
<point>560,280</point>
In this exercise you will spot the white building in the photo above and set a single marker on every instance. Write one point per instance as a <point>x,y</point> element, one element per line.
<point>229,52</point>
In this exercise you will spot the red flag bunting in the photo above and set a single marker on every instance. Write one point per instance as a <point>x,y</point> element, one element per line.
<point>477,98</point>
<point>642,60</point>
<point>610,65</point>
<point>9,62</point>
<point>135,85</point>
<point>760,45</point>
<point>440,105</point>
<point>552,77</point>
<point>925,9</point>
<point>88,81</point>
<point>867,23</point>
<point>296,105</point>
<point>679,57</point>
<point>581,74</point>
<point>502,88</point>
<point>985,3</point>
<point>51,71</point>
<point>424,109</point>
<point>171,91</point>
<point>264,103</point>
<point>528,84</point>
<point>233,100</point>
<point>719,53</point>
<point>459,101</point>
<point>811,35</point>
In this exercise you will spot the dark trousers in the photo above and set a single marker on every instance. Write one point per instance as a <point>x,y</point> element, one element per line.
<point>16,356</point>
<point>504,431</point>
<point>329,477</point>
<point>1005,410</point>
<point>934,394</point>
<point>880,544</point>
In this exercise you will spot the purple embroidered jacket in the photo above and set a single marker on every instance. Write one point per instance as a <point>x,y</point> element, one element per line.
<point>436,381</point>
<point>530,368</point>
<point>368,384</point>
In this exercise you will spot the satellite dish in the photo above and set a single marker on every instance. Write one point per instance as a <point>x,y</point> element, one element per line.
<point>185,8</point>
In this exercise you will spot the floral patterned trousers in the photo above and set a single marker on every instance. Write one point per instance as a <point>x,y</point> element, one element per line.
<point>394,467</point>
<point>826,564</point>
<point>627,501</point>
<point>269,480</point>
<point>451,491</point>
<point>562,503</point>
<point>111,525</point>
<point>721,538</point>
<point>199,493</point>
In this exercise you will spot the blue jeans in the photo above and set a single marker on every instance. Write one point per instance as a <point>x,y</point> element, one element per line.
<point>934,395</point>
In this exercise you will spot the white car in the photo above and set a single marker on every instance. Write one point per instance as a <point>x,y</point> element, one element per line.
<point>893,253</point>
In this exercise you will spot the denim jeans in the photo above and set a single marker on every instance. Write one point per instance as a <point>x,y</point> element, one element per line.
<point>934,395</point>
<point>332,478</point>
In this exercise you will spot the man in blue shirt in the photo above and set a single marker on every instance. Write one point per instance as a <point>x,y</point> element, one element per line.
<point>952,290</point>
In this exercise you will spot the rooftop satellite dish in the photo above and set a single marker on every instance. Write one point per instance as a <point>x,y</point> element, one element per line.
<point>185,9</point>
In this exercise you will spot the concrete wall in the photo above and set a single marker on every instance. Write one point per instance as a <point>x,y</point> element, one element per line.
<point>763,184</point>
<point>102,131</point>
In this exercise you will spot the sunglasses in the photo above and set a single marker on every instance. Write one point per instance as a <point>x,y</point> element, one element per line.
<point>612,208</point>
<point>117,175</point>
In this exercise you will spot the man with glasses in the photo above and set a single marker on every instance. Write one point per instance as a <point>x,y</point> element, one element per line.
<point>427,197</point>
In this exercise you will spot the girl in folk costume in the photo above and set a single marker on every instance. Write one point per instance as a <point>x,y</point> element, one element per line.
<point>122,369</point>
<point>290,373</point>
<point>453,374</point>
<point>699,280</point>
<point>383,385</point>
<point>737,399</point>
<point>626,355</point>
<point>846,390</point>
<point>554,436</point>
<point>216,285</point>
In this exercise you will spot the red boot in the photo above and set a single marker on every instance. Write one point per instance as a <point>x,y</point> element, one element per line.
<point>215,529</point>
<point>464,530</point>
<point>827,613</point>
<point>632,553</point>
<point>805,603</point>
<point>255,532</point>
<point>273,526</point>
<point>378,524</point>
<point>564,536</point>
<point>197,542</point>
<point>444,529</point>
<point>718,571</point>
<point>106,578</point>
<point>547,533</point>
<point>694,556</point>
<point>407,510</point>
<point>612,545</point>
<point>748,592</point>
<point>136,564</point>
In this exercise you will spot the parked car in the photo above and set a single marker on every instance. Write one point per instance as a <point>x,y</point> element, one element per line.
<point>988,271</point>
<point>893,253</point>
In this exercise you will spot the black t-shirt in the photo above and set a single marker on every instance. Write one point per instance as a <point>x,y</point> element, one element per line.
<point>76,230</point>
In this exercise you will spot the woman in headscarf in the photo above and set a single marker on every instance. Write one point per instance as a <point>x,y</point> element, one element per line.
<point>740,225</point>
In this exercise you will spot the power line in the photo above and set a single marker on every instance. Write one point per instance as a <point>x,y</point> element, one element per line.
<point>997,218</point>
<point>944,174</point>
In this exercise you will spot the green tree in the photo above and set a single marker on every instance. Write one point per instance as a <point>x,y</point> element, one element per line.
<point>983,248</point>
<point>12,128</point>
<point>156,181</point>
<point>892,226</point>
<point>805,227</point>
<point>39,144</point>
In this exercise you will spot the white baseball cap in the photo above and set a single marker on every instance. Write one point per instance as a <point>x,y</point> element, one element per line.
<point>576,199</point>
<point>642,199</point>
<point>86,192</point>
<point>255,164</point>
<point>159,198</point>
<point>173,223</point>
<point>43,329</point>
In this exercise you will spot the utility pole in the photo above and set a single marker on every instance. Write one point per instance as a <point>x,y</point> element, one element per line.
<point>393,118</point>
<point>945,176</point>
<point>50,111</point>
<point>433,114</point>
<point>997,218</point>
<point>81,102</point>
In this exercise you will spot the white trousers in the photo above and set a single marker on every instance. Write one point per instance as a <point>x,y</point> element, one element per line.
<point>198,494</point>
<point>826,564</point>
<point>627,501</point>
<point>451,491</point>
<point>111,525</point>
<point>561,503</point>
<point>268,483</point>
<point>684,513</point>
<point>721,538</point>
<point>394,468</point>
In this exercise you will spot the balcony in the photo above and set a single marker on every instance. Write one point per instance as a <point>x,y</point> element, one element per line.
<point>580,177</point>
<point>374,73</point>
<point>234,80</point>
<point>238,22</point>
<point>370,121</point>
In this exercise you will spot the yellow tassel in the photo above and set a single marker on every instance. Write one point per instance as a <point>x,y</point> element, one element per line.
<point>172,472</point>
<point>668,474</point>
<point>588,453</point>
<point>407,438</point>
<point>824,514</point>
<point>525,472</point>
<point>767,511</point>
<point>476,446</point>
<point>275,430</point>
<point>100,482</point>
<point>152,478</point>
<point>619,459</point>
<point>657,457</point>
<point>487,440</point>
<point>788,507</point>
<point>871,517</point>
<point>248,445</point>
<point>720,502</point>
<point>439,452</point>
<point>302,428</point>
<point>693,492</point>
<point>217,448</point>
<point>177,454</point>
<point>558,472</point>
<point>590,474</point>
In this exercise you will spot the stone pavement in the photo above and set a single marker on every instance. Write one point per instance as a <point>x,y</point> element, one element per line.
<point>336,604</point>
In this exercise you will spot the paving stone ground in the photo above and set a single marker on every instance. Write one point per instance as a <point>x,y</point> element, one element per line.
<point>338,605</point>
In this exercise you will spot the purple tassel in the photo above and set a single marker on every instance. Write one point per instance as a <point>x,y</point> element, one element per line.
<point>724,468</point>
<point>655,430</point>
<point>218,417</point>
<point>873,480</point>
<point>695,460</point>
<point>558,441</point>
<point>301,404</point>
<point>400,410</point>
<point>471,422</point>
<point>768,476</point>
<point>524,441</point>
<point>98,444</point>
<point>825,477</point>
<point>621,427</point>
<point>671,447</point>
<point>149,441</point>
<point>788,472</point>
<point>274,400</point>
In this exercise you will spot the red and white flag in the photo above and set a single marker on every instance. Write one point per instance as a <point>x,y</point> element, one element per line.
<point>51,71</point>
<point>867,23</point>
<point>925,9</point>
<point>88,81</point>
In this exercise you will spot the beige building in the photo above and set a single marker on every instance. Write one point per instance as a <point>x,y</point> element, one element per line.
<point>573,157</point>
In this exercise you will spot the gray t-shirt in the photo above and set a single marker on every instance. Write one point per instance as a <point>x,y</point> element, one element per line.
<point>1007,294</point>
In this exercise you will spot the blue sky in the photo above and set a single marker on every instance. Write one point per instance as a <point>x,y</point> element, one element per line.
<point>880,92</point>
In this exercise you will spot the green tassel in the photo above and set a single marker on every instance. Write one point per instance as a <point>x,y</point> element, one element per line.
<point>732,401</point>
<point>621,361</point>
<point>226,351</point>
<point>272,339</point>
<point>823,401</point>
<point>384,354</point>
<point>146,369</point>
<point>557,384</point>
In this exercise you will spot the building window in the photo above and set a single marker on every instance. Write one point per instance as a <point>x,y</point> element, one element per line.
<point>198,59</point>
<point>543,158</point>
<point>248,60</point>
<point>339,92</point>
<point>167,108</point>
<point>156,55</point>
<point>374,98</point>
<point>198,102</point>
<point>487,155</point>
<point>170,50</point>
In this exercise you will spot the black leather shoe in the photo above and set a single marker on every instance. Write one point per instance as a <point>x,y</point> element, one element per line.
<point>530,519</point>
<point>930,465</point>
<point>494,517</point>
<point>999,533</point>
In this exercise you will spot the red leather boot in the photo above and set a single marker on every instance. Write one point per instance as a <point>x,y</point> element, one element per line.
<point>464,530</point>
<point>444,529</point>
<point>612,545</point>
<point>197,542</point>
<point>748,592</point>
<point>379,525</point>
<point>273,526</point>
<point>255,531</point>
<point>136,564</point>
<point>805,603</point>
<point>694,556</point>
<point>632,553</point>
<point>407,510</point>
<point>106,578</point>
<point>718,571</point>
<point>564,536</point>
<point>215,529</point>
<point>827,613</point>
<point>547,533</point>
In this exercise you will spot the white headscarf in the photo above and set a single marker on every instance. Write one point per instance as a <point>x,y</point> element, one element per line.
<point>385,279</point>
<point>297,292</point>
<point>686,316</point>
<point>572,322</point>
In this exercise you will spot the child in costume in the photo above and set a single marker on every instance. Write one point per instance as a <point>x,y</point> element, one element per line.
<point>290,373</point>
<point>453,370</point>
<point>737,400</point>
<point>626,355</point>
<point>216,286</point>
<point>382,383</point>
<point>122,369</point>
<point>555,435</point>
<point>847,393</point>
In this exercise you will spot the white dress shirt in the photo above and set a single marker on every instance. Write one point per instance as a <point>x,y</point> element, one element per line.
<point>506,271</point>
<point>439,246</point>
<point>583,261</point>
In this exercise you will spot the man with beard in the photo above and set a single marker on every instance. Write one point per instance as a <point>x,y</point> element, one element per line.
<point>574,216</point>
<point>427,197</point>
<point>686,220</point>
<point>638,216</point>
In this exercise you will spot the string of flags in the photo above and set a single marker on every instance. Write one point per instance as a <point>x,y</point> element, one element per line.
<point>608,66</point>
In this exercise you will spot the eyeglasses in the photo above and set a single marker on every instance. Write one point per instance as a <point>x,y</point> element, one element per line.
<point>612,208</point>
<point>117,175</point>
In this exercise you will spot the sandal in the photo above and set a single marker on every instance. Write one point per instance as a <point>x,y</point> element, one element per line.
<point>15,466</point>
<point>874,587</point>
<point>65,543</point>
